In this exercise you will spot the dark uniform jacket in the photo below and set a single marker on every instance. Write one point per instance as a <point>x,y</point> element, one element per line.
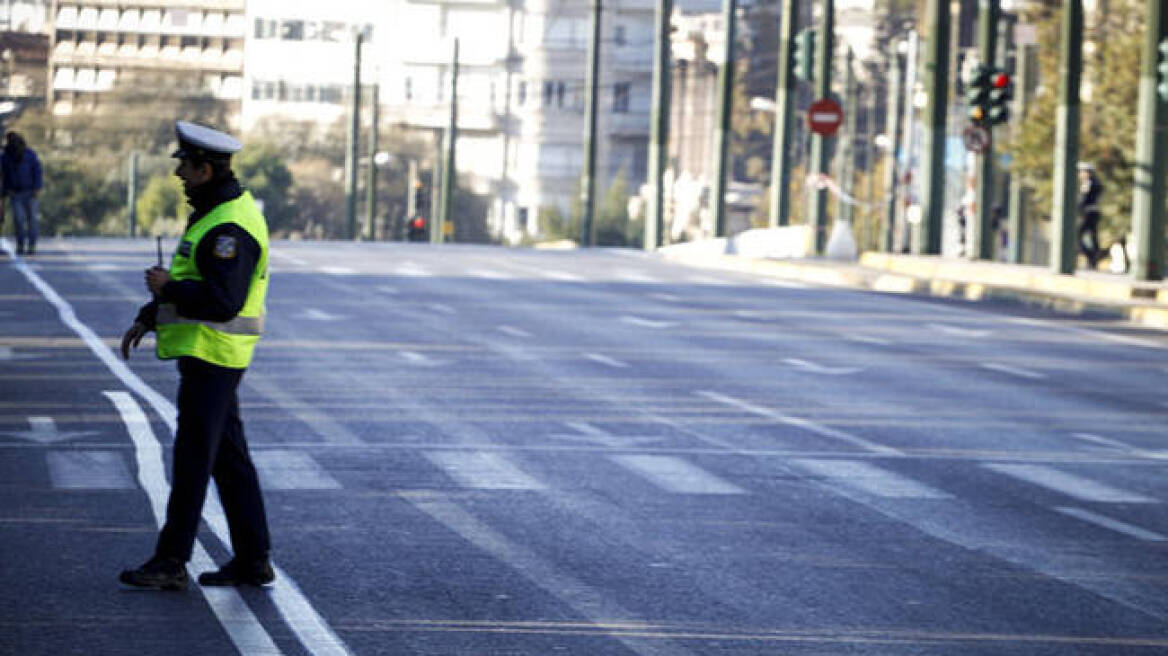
<point>226,271</point>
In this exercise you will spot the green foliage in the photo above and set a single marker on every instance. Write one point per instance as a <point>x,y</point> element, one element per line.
<point>79,198</point>
<point>1108,121</point>
<point>261,169</point>
<point>161,207</point>
<point>613,227</point>
<point>553,225</point>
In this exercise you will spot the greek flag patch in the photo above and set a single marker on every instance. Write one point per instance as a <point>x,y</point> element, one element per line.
<point>225,247</point>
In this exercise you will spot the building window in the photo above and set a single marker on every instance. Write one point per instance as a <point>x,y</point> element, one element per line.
<point>409,88</point>
<point>559,94</point>
<point>521,93</point>
<point>292,30</point>
<point>549,92</point>
<point>620,97</point>
<point>618,35</point>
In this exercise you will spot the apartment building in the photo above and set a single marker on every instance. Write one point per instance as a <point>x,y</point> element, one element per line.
<point>97,46</point>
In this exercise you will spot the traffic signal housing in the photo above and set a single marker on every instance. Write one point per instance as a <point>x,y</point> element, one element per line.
<point>1001,92</point>
<point>977,91</point>
<point>805,55</point>
<point>1162,69</point>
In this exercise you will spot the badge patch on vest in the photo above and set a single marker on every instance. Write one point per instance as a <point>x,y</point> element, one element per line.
<point>225,247</point>
<point>184,248</point>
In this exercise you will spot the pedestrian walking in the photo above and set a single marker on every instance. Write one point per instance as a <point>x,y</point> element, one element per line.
<point>1090,193</point>
<point>208,311</point>
<point>21,173</point>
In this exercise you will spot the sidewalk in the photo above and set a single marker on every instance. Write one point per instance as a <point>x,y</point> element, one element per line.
<point>1086,292</point>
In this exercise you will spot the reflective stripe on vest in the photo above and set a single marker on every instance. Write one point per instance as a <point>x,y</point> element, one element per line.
<point>224,343</point>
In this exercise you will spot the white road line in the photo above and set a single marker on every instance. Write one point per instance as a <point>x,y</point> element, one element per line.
<point>633,276</point>
<point>233,613</point>
<point>647,323</point>
<point>866,339</point>
<point>294,260</point>
<point>1083,489</point>
<point>588,602</point>
<point>420,359</point>
<point>283,469</point>
<point>514,332</point>
<point>778,282</point>
<point>492,274</point>
<point>442,308</point>
<point>242,626</point>
<point>956,331</point>
<point>411,271</point>
<point>822,369</point>
<point>338,271</point>
<point>604,359</point>
<point>484,471</point>
<point>88,470</point>
<point>1093,334</point>
<point>871,479</point>
<point>1103,441</point>
<point>675,475</point>
<point>668,298</point>
<point>810,426</point>
<point>315,314</point>
<point>559,275</point>
<point>1129,530</point>
<point>1013,371</point>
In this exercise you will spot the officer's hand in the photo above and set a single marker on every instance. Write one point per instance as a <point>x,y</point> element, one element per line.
<point>156,279</point>
<point>132,338</point>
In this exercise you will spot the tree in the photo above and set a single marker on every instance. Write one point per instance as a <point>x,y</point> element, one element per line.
<point>161,206</point>
<point>260,167</point>
<point>613,227</point>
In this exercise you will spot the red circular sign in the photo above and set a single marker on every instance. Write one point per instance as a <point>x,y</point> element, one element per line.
<point>825,116</point>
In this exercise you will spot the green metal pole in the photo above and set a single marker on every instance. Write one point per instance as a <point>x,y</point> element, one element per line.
<point>131,193</point>
<point>820,158</point>
<point>588,183</point>
<point>785,96</point>
<point>722,135</point>
<point>659,127</point>
<point>1024,80</point>
<point>982,240</point>
<point>449,167</point>
<point>1066,148</point>
<point>844,201</point>
<point>936,117</point>
<point>371,180</point>
<point>1151,154</point>
<point>351,151</point>
<point>892,129</point>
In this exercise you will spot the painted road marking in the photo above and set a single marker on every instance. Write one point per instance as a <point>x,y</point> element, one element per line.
<point>227,604</point>
<point>484,471</point>
<point>43,430</point>
<point>514,332</point>
<point>668,298</point>
<point>647,323</point>
<point>634,276</point>
<point>283,469</point>
<point>1103,441</point>
<point>595,435</point>
<point>442,308</point>
<point>420,359</point>
<point>489,273</point>
<point>779,282</point>
<point>89,470</point>
<point>338,271</point>
<point>559,275</point>
<point>1129,530</point>
<point>956,331</point>
<point>822,369</point>
<point>676,475</point>
<point>314,314</point>
<point>871,479</point>
<point>1080,488</point>
<point>604,359</point>
<point>1013,371</point>
<point>411,271</point>
<point>867,339</point>
<point>810,426</point>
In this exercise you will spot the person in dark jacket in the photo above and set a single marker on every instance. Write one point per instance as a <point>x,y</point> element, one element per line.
<point>21,172</point>
<point>1090,193</point>
<point>208,311</point>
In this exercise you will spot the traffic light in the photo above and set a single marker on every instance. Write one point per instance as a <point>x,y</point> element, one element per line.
<point>1001,92</point>
<point>805,54</point>
<point>1162,67</point>
<point>977,89</point>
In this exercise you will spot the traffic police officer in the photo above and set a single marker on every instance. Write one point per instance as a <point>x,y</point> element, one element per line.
<point>208,311</point>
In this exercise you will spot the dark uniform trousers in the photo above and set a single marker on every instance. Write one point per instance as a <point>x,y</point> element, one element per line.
<point>210,443</point>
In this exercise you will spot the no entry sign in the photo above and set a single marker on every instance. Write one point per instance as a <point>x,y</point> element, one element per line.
<point>825,116</point>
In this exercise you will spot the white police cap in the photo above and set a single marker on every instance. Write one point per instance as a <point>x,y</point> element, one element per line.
<point>201,142</point>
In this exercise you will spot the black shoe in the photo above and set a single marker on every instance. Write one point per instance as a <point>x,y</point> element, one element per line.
<point>157,574</point>
<point>236,573</point>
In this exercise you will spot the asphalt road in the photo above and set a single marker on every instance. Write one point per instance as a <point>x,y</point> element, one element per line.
<point>475,450</point>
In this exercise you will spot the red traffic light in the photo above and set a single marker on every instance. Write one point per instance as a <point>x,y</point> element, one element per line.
<point>418,222</point>
<point>1001,81</point>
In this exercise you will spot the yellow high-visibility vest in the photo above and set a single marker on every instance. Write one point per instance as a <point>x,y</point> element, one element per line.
<point>227,343</point>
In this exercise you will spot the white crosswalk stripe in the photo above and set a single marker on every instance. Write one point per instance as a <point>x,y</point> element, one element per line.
<point>870,479</point>
<point>89,470</point>
<point>676,475</point>
<point>1076,487</point>
<point>487,471</point>
<point>282,469</point>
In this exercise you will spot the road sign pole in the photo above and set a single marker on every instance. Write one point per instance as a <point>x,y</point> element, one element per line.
<point>982,240</point>
<point>936,114</point>
<point>784,130</point>
<point>659,127</point>
<point>351,151</point>
<point>1066,148</point>
<point>892,130</point>
<point>723,134</point>
<point>1151,154</point>
<point>1019,193</point>
<point>820,161</point>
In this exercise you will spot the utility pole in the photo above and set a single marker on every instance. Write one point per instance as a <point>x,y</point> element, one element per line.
<point>908,133</point>
<point>982,240</point>
<point>820,157</point>
<point>892,130</point>
<point>449,168</point>
<point>1066,143</point>
<point>785,92</point>
<point>1151,150</point>
<point>936,116</point>
<point>722,136</point>
<point>371,181</point>
<point>659,127</point>
<point>1019,195</point>
<point>132,193</point>
<point>412,183</point>
<point>351,151</point>
<point>845,201</point>
<point>588,184</point>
